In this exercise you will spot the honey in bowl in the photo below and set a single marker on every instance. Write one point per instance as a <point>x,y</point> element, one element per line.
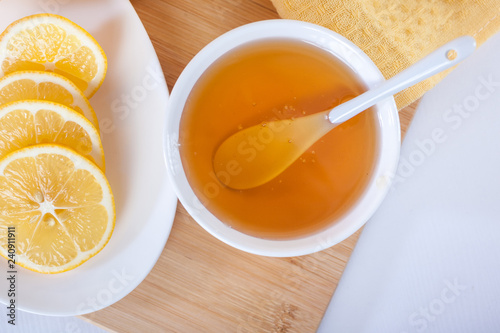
<point>269,80</point>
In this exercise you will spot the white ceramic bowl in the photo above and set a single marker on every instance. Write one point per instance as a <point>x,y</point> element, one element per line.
<point>388,140</point>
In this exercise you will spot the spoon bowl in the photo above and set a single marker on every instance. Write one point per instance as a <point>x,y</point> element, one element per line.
<point>257,154</point>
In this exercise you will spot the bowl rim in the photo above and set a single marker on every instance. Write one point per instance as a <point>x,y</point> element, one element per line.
<point>388,138</point>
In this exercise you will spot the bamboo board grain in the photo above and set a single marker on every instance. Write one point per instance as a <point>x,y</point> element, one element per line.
<point>199,284</point>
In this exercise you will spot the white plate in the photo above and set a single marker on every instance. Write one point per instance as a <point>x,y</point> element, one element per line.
<point>130,106</point>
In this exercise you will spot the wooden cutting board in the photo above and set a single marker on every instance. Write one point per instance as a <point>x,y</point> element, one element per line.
<point>199,284</point>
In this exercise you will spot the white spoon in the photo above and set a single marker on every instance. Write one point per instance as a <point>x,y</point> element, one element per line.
<point>277,144</point>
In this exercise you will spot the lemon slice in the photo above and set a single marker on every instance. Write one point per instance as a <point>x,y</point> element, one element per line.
<point>45,86</point>
<point>60,205</point>
<point>53,43</point>
<point>32,122</point>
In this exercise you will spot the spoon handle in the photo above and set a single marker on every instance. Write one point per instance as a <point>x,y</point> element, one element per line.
<point>443,58</point>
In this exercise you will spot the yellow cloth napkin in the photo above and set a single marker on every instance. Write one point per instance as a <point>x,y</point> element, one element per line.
<point>396,34</point>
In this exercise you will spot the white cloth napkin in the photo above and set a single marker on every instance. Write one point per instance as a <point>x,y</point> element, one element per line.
<point>429,260</point>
